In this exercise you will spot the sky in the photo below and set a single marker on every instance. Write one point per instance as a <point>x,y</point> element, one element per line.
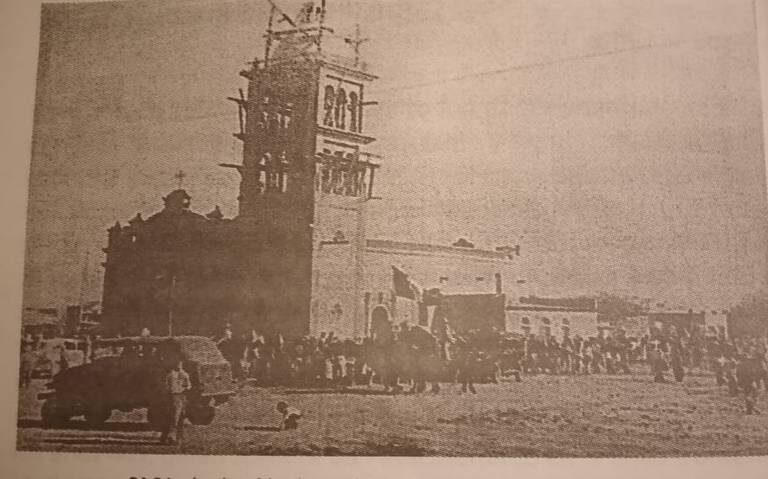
<point>618,142</point>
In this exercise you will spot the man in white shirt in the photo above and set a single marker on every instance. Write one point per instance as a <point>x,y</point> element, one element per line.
<point>177,384</point>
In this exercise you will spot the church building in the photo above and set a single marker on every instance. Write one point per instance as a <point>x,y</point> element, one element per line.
<point>295,260</point>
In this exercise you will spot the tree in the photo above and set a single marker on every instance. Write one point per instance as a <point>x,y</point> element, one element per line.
<point>612,307</point>
<point>749,317</point>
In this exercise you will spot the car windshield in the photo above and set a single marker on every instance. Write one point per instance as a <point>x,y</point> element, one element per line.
<point>192,348</point>
<point>201,350</point>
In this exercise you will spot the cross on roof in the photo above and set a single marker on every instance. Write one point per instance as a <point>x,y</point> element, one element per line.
<point>180,175</point>
<point>356,41</point>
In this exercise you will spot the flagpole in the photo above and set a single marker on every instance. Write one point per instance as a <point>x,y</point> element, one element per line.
<point>268,43</point>
<point>170,305</point>
<point>321,25</point>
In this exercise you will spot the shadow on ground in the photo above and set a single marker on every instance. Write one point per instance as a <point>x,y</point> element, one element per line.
<point>358,392</point>
<point>96,441</point>
<point>258,428</point>
<point>116,426</point>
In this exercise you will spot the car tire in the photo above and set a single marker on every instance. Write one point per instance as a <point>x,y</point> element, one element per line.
<point>201,415</point>
<point>97,415</point>
<point>157,417</point>
<point>51,414</point>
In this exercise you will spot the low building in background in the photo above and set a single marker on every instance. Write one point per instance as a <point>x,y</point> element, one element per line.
<point>716,322</point>
<point>526,319</point>
<point>468,282</point>
<point>633,326</point>
<point>683,321</point>
<point>41,321</point>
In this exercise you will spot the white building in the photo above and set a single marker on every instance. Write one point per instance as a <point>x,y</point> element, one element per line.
<point>550,320</point>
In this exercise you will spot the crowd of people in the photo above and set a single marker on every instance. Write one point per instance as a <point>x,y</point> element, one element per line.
<point>412,356</point>
<point>408,356</point>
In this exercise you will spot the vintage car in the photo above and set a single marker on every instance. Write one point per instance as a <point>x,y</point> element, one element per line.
<point>132,376</point>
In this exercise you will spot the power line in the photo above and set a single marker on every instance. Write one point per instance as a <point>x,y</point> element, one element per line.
<point>549,63</point>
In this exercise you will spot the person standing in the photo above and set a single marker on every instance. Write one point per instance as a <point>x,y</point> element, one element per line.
<point>177,384</point>
<point>716,359</point>
<point>467,362</point>
<point>566,353</point>
<point>586,355</point>
<point>747,376</point>
<point>762,364</point>
<point>63,361</point>
<point>233,352</point>
<point>576,357</point>
<point>441,330</point>
<point>597,355</point>
<point>28,358</point>
<point>676,360</point>
<point>657,363</point>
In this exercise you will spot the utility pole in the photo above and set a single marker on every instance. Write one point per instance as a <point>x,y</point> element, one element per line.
<point>170,305</point>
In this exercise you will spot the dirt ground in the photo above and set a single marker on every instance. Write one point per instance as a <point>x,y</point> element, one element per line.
<point>549,416</point>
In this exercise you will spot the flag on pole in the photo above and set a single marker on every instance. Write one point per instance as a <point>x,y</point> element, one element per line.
<point>432,297</point>
<point>403,286</point>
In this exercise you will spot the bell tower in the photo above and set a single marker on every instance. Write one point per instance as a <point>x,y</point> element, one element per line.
<point>305,174</point>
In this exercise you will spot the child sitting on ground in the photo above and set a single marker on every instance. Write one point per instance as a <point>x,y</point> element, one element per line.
<point>290,416</point>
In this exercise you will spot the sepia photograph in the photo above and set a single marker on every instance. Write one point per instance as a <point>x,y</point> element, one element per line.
<point>442,228</point>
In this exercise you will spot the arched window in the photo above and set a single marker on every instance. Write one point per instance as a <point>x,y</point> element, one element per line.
<point>328,103</point>
<point>381,326</point>
<point>334,317</point>
<point>545,329</point>
<point>340,111</point>
<point>525,325</point>
<point>353,111</point>
<point>325,182</point>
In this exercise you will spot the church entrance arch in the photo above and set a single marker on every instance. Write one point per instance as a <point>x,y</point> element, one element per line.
<point>381,325</point>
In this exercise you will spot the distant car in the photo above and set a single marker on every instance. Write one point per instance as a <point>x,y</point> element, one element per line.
<point>50,353</point>
<point>132,377</point>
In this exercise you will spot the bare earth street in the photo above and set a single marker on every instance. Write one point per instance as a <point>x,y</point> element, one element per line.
<point>550,416</point>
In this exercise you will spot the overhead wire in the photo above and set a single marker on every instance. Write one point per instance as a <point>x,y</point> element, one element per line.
<point>549,63</point>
